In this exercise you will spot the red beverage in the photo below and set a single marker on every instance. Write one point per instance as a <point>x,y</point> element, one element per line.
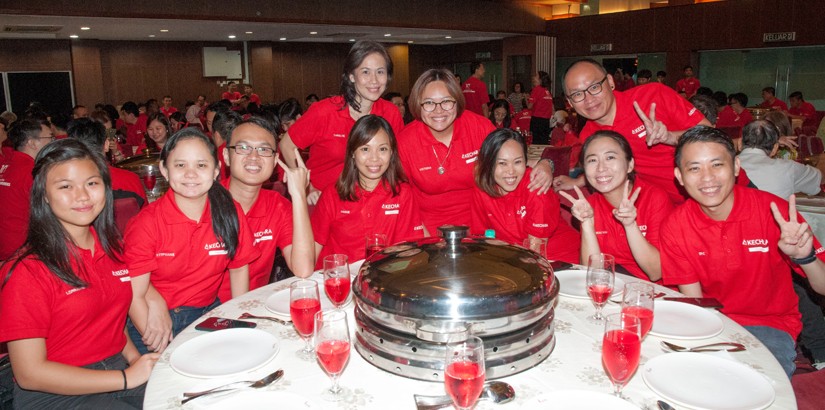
<point>149,180</point>
<point>644,314</point>
<point>333,355</point>
<point>373,249</point>
<point>599,293</point>
<point>620,355</point>
<point>303,313</point>
<point>337,289</point>
<point>464,382</point>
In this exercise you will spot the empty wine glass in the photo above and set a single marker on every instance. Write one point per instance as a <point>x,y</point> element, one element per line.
<point>600,278</point>
<point>336,278</point>
<point>621,349</point>
<point>332,347</point>
<point>304,303</point>
<point>464,372</point>
<point>637,300</point>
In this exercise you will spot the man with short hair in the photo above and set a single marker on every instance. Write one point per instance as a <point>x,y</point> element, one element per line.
<point>651,118</point>
<point>80,111</point>
<point>231,94</point>
<point>223,123</point>
<point>275,222</point>
<point>661,76</point>
<point>475,91</point>
<point>135,124</point>
<point>689,84</point>
<point>769,100</point>
<point>193,113</point>
<point>738,244</point>
<point>253,98</point>
<point>643,76</point>
<point>801,109</point>
<point>735,114</point>
<point>28,137</point>
<point>167,109</point>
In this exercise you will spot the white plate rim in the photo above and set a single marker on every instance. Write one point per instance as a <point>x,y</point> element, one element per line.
<point>617,290</point>
<point>243,333</point>
<point>694,358</point>
<point>691,308</point>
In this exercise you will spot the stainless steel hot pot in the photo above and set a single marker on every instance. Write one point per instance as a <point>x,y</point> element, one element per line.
<point>147,164</point>
<point>413,298</point>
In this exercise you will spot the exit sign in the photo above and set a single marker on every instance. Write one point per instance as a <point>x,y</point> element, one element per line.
<point>779,37</point>
<point>483,55</point>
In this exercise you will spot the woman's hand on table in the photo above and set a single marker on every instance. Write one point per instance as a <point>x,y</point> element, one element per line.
<point>541,178</point>
<point>626,212</point>
<point>138,371</point>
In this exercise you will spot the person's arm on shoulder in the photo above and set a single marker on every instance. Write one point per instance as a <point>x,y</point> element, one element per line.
<point>300,255</point>
<point>541,178</point>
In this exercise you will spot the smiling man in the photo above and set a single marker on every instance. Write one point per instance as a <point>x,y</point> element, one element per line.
<point>738,245</point>
<point>651,118</point>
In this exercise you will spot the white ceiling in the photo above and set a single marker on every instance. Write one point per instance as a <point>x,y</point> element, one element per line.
<point>101,28</point>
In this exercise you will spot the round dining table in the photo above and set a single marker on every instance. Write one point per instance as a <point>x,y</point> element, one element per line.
<point>574,364</point>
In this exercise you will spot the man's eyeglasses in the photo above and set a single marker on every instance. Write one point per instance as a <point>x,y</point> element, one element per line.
<point>242,149</point>
<point>446,105</point>
<point>593,89</point>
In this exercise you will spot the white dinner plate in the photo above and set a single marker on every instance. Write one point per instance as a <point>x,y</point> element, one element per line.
<point>578,400</point>
<point>224,353</point>
<point>684,321</point>
<point>573,283</point>
<point>261,400</point>
<point>702,381</point>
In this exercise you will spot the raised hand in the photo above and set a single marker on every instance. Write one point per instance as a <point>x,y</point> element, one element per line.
<point>795,239</point>
<point>626,212</point>
<point>580,208</point>
<point>296,179</point>
<point>657,132</point>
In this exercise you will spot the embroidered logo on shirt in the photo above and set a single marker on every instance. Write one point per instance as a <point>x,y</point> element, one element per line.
<point>169,254</point>
<point>640,130</point>
<point>216,248</point>
<point>424,169</point>
<point>336,135</point>
<point>123,274</point>
<point>70,291</point>
<point>643,230</point>
<point>391,209</point>
<point>756,245</point>
<point>539,225</point>
<point>692,111</point>
<point>4,168</point>
<point>522,211</point>
<point>345,211</point>
<point>265,235</point>
<point>470,154</point>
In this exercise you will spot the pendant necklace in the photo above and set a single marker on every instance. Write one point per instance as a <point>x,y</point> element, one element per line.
<point>441,169</point>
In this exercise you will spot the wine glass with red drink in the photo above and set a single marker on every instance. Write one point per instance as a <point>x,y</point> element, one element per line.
<point>336,278</point>
<point>149,181</point>
<point>332,346</point>
<point>621,349</point>
<point>464,372</point>
<point>637,300</point>
<point>304,303</point>
<point>376,242</point>
<point>601,274</point>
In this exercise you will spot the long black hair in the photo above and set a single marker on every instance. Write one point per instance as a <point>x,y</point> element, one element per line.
<point>500,103</point>
<point>361,134</point>
<point>356,56</point>
<point>47,239</point>
<point>222,208</point>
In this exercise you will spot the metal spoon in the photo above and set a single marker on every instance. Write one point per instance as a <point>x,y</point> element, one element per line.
<point>495,391</point>
<point>247,315</point>
<point>266,381</point>
<point>713,347</point>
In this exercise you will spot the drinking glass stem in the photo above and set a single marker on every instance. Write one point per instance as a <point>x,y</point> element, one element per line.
<point>335,389</point>
<point>307,344</point>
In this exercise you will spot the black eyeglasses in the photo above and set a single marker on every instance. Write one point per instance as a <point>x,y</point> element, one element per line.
<point>242,149</point>
<point>593,89</point>
<point>446,105</point>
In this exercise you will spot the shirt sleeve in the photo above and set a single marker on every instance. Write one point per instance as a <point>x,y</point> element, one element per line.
<point>806,178</point>
<point>308,128</point>
<point>322,217</point>
<point>26,302</point>
<point>246,252</point>
<point>140,244</point>
<point>676,267</point>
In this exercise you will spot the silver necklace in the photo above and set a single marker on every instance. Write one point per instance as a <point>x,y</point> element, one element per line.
<point>441,169</point>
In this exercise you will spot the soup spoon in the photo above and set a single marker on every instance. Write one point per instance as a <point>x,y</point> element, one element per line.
<point>495,391</point>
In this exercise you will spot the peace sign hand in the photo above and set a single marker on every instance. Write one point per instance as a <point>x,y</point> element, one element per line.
<point>657,132</point>
<point>626,212</point>
<point>580,208</point>
<point>296,179</point>
<point>795,239</point>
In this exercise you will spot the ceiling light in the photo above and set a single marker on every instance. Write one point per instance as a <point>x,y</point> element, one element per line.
<point>282,38</point>
<point>74,36</point>
<point>248,32</point>
<point>85,28</point>
<point>410,42</point>
<point>313,32</point>
<point>231,36</point>
<point>448,37</point>
<point>388,35</point>
<point>352,40</point>
<point>163,30</point>
<point>152,35</point>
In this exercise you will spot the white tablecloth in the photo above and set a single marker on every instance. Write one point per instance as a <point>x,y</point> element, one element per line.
<point>575,363</point>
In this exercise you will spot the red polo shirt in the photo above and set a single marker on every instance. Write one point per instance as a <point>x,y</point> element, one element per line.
<point>805,109</point>
<point>729,118</point>
<point>254,98</point>
<point>231,96</point>
<point>521,213</point>
<point>542,102</point>
<point>135,132</point>
<point>475,95</point>
<point>15,188</point>
<point>127,181</point>
<point>185,259</point>
<point>342,226</point>
<point>270,220</point>
<point>81,325</point>
<point>522,119</point>
<point>688,86</point>
<point>652,207</point>
<point>325,128</point>
<point>655,164</point>
<point>777,103</point>
<point>168,111</point>
<point>443,198</point>
<point>737,260</point>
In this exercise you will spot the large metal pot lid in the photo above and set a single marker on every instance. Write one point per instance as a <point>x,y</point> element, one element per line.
<point>140,162</point>
<point>455,278</point>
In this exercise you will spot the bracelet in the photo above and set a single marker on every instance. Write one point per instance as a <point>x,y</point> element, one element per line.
<point>549,162</point>
<point>123,373</point>
<point>806,260</point>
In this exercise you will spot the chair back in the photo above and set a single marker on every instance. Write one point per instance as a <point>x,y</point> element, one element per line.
<point>125,209</point>
<point>560,157</point>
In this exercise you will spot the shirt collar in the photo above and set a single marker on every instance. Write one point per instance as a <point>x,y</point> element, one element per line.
<point>172,215</point>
